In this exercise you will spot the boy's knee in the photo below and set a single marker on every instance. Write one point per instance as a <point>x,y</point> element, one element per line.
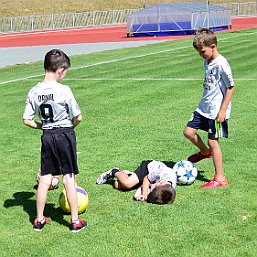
<point>127,184</point>
<point>213,143</point>
<point>68,179</point>
<point>188,132</point>
<point>116,184</point>
<point>45,180</point>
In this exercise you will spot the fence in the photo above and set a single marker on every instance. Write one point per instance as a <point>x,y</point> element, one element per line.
<point>60,21</point>
<point>242,9</point>
<point>101,18</point>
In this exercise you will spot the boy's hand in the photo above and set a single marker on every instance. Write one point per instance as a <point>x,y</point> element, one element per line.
<point>221,116</point>
<point>140,198</point>
<point>222,112</point>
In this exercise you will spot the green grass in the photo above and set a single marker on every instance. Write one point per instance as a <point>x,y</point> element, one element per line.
<point>135,102</point>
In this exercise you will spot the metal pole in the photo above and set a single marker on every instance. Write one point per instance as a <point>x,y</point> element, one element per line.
<point>11,24</point>
<point>32,23</point>
<point>208,13</point>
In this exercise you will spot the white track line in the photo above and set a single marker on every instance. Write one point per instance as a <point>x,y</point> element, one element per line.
<point>98,63</point>
<point>149,79</point>
<point>121,59</point>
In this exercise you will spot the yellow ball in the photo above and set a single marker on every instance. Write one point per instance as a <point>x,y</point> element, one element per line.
<point>82,200</point>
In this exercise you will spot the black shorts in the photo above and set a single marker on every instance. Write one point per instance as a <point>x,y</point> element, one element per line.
<point>214,128</point>
<point>59,152</point>
<point>142,171</point>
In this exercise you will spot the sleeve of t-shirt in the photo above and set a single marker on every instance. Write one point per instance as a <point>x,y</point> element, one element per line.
<point>72,103</point>
<point>29,111</point>
<point>226,75</point>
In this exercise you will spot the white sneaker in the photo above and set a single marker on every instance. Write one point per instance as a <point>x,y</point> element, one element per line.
<point>106,176</point>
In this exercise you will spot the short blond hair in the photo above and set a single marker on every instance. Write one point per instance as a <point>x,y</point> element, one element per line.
<point>204,37</point>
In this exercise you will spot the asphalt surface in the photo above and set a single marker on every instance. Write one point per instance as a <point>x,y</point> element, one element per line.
<point>19,55</point>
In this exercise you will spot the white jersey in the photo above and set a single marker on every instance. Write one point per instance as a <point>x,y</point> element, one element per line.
<point>158,171</point>
<point>54,103</point>
<point>218,77</point>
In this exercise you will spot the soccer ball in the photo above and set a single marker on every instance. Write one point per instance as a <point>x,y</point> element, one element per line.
<point>186,172</point>
<point>55,181</point>
<point>82,200</point>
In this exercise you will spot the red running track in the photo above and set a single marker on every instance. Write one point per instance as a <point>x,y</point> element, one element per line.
<point>95,35</point>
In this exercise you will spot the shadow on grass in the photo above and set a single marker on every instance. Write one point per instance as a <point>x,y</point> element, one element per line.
<point>29,206</point>
<point>201,177</point>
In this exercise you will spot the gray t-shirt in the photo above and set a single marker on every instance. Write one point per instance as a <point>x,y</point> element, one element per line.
<point>54,103</point>
<point>218,77</point>
<point>158,171</point>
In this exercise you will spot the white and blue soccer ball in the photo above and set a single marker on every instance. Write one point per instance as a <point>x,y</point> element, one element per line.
<point>186,172</point>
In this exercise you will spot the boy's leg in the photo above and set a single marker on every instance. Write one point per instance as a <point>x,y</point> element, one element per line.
<point>43,186</point>
<point>191,134</point>
<point>217,157</point>
<point>205,152</point>
<point>125,181</point>
<point>219,178</point>
<point>70,187</point>
<point>42,191</point>
<point>128,181</point>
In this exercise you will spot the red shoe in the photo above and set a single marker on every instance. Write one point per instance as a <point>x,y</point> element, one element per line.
<point>199,156</point>
<point>39,225</point>
<point>216,183</point>
<point>77,225</point>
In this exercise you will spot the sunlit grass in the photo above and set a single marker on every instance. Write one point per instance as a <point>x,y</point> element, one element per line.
<point>135,109</point>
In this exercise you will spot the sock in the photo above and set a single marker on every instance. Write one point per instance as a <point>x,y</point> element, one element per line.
<point>114,171</point>
<point>41,220</point>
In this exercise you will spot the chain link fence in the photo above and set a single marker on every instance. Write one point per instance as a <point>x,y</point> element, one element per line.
<point>85,19</point>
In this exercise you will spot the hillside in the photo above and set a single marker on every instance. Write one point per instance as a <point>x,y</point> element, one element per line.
<point>36,7</point>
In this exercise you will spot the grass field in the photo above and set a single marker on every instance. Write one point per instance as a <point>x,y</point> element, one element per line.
<point>135,102</point>
<point>35,7</point>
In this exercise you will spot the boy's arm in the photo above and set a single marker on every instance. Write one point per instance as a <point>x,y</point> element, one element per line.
<point>32,124</point>
<point>145,187</point>
<point>76,120</point>
<point>142,192</point>
<point>222,112</point>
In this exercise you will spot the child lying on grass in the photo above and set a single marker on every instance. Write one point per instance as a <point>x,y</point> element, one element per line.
<point>156,182</point>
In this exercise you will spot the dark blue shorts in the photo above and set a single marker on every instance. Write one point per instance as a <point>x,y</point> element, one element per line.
<point>58,152</point>
<point>215,129</point>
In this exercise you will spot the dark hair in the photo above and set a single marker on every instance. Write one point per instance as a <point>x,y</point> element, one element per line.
<point>162,195</point>
<point>56,59</point>
<point>204,37</point>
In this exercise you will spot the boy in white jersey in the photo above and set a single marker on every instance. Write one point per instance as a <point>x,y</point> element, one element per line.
<point>213,111</point>
<point>156,181</point>
<point>59,113</point>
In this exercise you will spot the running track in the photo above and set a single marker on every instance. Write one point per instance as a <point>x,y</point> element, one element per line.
<point>21,47</point>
